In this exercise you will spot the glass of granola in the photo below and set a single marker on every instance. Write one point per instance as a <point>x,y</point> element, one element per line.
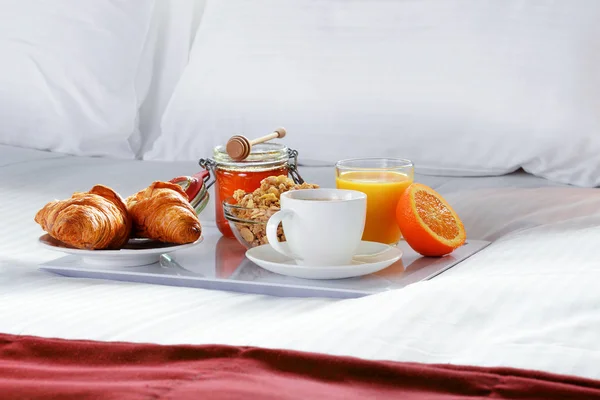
<point>248,213</point>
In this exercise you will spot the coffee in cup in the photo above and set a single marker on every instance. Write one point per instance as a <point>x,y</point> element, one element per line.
<point>322,226</point>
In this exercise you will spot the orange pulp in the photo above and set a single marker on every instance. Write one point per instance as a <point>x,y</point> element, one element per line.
<point>429,224</point>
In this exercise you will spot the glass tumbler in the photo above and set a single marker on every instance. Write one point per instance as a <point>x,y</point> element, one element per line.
<point>383,180</point>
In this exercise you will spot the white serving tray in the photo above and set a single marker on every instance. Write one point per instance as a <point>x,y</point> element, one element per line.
<point>220,264</point>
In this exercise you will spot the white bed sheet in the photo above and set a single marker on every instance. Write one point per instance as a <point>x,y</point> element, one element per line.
<point>529,300</point>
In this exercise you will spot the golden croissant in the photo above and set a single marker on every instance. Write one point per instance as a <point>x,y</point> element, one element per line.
<point>92,220</point>
<point>163,212</point>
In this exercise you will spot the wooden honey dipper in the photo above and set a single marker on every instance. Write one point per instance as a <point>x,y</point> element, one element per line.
<point>239,147</point>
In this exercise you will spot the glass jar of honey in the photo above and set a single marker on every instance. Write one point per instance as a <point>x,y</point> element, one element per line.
<point>265,159</point>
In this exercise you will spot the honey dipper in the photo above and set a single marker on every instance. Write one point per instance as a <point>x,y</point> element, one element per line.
<point>239,147</point>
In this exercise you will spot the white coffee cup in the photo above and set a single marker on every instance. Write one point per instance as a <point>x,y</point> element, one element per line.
<point>321,226</point>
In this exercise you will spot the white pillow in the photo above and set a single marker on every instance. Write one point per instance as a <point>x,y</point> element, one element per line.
<point>72,74</point>
<point>173,28</point>
<point>461,87</point>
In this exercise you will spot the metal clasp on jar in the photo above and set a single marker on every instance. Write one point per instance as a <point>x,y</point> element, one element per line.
<point>293,166</point>
<point>209,165</point>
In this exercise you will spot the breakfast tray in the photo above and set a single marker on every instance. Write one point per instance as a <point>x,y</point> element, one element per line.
<point>219,263</point>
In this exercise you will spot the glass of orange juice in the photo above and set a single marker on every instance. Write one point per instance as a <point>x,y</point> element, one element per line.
<point>383,180</point>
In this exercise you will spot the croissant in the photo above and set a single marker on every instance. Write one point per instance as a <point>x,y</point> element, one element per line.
<point>163,212</point>
<point>92,220</point>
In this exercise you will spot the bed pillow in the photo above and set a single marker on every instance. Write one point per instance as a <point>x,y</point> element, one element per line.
<point>461,87</point>
<point>172,31</point>
<point>70,76</point>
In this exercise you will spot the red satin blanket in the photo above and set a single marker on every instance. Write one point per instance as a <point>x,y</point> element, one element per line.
<point>37,368</point>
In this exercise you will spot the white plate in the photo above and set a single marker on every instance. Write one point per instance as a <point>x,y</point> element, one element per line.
<point>135,253</point>
<point>370,257</point>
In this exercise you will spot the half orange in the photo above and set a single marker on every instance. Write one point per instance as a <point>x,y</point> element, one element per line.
<point>428,223</point>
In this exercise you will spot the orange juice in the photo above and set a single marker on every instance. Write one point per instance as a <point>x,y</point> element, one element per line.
<point>383,189</point>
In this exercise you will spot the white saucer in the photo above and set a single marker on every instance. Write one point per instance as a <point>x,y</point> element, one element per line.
<point>370,257</point>
<point>135,253</point>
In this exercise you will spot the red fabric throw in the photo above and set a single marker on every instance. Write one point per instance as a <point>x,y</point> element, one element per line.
<point>38,368</point>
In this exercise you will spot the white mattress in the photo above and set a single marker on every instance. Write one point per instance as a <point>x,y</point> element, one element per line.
<point>529,300</point>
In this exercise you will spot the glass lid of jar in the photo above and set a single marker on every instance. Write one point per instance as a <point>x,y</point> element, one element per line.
<point>263,154</point>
